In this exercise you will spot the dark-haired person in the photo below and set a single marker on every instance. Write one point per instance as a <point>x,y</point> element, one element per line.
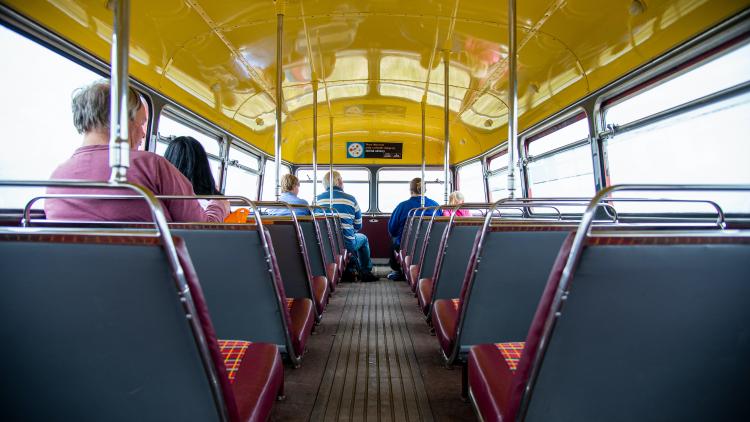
<point>91,162</point>
<point>189,157</point>
<point>398,220</point>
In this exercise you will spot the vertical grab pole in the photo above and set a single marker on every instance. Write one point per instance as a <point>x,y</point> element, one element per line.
<point>424,184</point>
<point>119,145</point>
<point>446,170</point>
<point>330,161</point>
<point>279,93</point>
<point>315,139</point>
<point>512,98</point>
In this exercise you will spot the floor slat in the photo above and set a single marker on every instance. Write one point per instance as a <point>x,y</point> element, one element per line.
<point>372,359</point>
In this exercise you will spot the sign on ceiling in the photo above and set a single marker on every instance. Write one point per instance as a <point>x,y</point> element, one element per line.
<point>388,150</point>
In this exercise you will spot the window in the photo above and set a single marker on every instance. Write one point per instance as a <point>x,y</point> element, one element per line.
<point>356,183</point>
<point>471,182</point>
<point>497,179</point>
<point>560,163</point>
<point>393,186</point>
<point>498,161</point>
<point>170,127</point>
<point>720,73</point>
<point>242,173</point>
<point>269,180</point>
<point>498,183</point>
<point>31,150</point>
<point>707,145</point>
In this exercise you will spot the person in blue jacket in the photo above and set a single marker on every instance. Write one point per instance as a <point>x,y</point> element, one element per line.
<point>398,220</point>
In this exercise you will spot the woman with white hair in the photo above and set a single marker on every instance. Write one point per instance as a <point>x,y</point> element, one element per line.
<point>456,198</point>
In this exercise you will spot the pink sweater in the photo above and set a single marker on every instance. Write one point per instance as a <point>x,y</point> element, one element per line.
<point>146,169</point>
<point>459,213</point>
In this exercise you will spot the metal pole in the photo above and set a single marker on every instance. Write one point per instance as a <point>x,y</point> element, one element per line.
<point>512,98</point>
<point>446,158</point>
<point>119,145</point>
<point>330,161</point>
<point>424,183</point>
<point>315,140</point>
<point>279,97</point>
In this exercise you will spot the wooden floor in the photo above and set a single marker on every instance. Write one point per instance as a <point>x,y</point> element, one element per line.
<point>372,358</point>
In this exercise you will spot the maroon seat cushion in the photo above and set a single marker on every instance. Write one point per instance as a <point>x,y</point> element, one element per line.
<point>332,275</point>
<point>320,291</point>
<point>444,320</point>
<point>413,276</point>
<point>490,380</point>
<point>257,377</point>
<point>406,263</point>
<point>424,294</point>
<point>302,315</point>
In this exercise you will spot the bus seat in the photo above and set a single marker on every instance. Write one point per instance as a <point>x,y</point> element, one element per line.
<point>295,266</point>
<point>249,302</point>
<point>98,332</point>
<point>313,242</point>
<point>333,269</point>
<point>653,328</point>
<point>450,267</point>
<point>432,246</point>
<point>508,280</point>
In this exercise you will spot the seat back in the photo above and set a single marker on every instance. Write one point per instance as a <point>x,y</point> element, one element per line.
<point>326,235</point>
<point>415,248</point>
<point>293,261</point>
<point>238,286</point>
<point>450,267</point>
<point>93,328</point>
<point>499,301</point>
<point>431,246</point>
<point>410,231</point>
<point>653,328</point>
<point>314,245</point>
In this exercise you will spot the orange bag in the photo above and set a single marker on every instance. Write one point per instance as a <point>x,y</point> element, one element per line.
<point>238,216</point>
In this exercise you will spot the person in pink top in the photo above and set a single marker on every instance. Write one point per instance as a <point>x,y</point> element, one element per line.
<point>91,162</point>
<point>454,199</point>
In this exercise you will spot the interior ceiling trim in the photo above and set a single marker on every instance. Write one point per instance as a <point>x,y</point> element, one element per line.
<point>498,70</point>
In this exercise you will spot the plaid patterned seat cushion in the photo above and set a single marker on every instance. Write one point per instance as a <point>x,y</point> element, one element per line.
<point>511,353</point>
<point>456,303</point>
<point>233,351</point>
<point>289,303</point>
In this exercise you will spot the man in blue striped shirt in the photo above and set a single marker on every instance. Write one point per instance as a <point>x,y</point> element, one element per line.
<point>351,222</point>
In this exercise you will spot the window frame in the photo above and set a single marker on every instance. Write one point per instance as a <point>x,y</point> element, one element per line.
<point>263,173</point>
<point>391,168</point>
<point>324,169</point>
<point>483,174</point>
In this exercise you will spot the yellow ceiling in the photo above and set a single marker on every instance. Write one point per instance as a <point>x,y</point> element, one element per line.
<point>376,59</point>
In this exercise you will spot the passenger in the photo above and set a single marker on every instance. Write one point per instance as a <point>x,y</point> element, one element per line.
<point>91,162</point>
<point>398,220</point>
<point>456,198</point>
<point>290,190</point>
<point>189,157</point>
<point>351,223</point>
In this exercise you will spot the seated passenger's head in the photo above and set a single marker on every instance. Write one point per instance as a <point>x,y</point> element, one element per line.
<point>337,180</point>
<point>415,186</point>
<point>456,198</point>
<point>91,113</point>
<point>290,183</point>
<point>188,155</point>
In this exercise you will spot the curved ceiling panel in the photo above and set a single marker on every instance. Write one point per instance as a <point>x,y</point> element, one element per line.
<point>376,60</point>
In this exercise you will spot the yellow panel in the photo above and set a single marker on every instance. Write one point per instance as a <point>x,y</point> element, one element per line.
<point>376,60</point>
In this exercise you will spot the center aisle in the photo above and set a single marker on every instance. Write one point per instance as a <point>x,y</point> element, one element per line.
<point>372,358</point>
